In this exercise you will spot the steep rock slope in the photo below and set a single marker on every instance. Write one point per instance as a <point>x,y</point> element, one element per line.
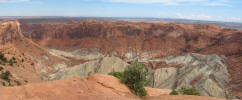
<point>11,34</point>
<point>21,59</point>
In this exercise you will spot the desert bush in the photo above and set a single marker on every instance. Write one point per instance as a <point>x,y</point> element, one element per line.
<point>136,77</point>
<point>25,81</point>
<point>119,75</point>
<point>13,58</point>
<point>3,83</point>
<point>1,68</point>
<point>11,62</point>
<point>17,82</point>
<point>6,76</point>
<point>3,58</point>
<point>22,60</point>
<point>174,92</point>
<point>10,84</point>
<point>189,91</point>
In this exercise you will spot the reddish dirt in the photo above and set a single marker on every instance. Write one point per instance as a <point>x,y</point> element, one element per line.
<point>184,97</point>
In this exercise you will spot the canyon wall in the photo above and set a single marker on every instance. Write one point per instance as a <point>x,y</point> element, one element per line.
<point>130,41</point>
<point>203,56</point>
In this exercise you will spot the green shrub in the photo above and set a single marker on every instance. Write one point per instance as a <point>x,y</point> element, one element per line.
<point>136,77</point>
<point>25,81</point>
<point>188,39</point>
<point>17,82</point>
<point>11,62</point>
<point>174,92</point>
<point>13,58</point>
<point>189,91</point>
<point>10,85</point>
<point>1,68</point>
<point>3,83</point>
<point>6,76</point>
<point>3,58</point>
<point>119,75</point>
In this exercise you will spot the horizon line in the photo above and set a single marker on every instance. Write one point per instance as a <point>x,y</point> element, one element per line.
<point>1,17</point>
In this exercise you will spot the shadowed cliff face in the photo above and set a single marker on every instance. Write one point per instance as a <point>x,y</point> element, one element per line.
<point>121,37</point>
<point>157,40</point>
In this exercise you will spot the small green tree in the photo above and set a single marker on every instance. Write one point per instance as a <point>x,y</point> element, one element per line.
<point>174,92</point>
<point>136,77</point>
<point>189,91</point>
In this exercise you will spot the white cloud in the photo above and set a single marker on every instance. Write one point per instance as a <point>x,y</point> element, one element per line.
<point>217,3</point>
<point>12,1</point>
<point>175,2</point>
<point>234,18</point>
<point>194,16</point>
<point>206,17</point>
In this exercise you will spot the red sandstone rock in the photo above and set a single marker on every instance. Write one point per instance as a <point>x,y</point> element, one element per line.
<point>96,87</point>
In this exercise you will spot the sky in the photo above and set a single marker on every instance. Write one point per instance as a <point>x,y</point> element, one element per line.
<point>212,10</point>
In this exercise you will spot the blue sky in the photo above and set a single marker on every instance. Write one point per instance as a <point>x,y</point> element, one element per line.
<point>217,10</point>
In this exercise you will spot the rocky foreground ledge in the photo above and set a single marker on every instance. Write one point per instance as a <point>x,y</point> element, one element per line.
<point>94,87</point>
